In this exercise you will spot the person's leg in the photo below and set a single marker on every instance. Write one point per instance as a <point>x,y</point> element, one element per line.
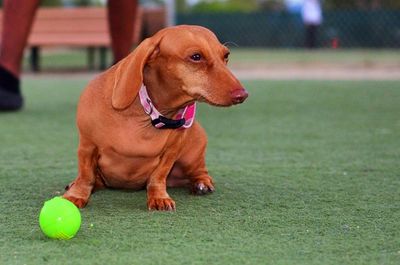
<point>121,19</point>
<point>316,36</point>
<point>308,36</point>
<point>17,21</point>
<point>311,36</point>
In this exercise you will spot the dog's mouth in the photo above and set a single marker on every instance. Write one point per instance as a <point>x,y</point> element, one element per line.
<point>204,99</point>
<point>202,95</point>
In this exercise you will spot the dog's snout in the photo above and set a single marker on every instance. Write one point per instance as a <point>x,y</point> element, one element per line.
<point>239,95</point>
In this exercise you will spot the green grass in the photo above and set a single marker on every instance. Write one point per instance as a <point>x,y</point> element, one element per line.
<point>76,59</point>
<point>307,172</point>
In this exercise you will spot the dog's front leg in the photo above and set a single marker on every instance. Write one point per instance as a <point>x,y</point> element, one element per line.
<point>157,196</point>
<point>193,162</point>
<point>79,191</point>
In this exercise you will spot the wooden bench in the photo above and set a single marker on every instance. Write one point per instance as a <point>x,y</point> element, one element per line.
<point>80,27</point>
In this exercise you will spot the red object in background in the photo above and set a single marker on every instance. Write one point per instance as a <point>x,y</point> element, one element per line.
<point>335,43</point>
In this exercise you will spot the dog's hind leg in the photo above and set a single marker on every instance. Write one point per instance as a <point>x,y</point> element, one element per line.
<point>176,177</point>
<point>80,189</point>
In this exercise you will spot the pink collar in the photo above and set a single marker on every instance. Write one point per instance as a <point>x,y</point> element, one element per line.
<point>185,116</point>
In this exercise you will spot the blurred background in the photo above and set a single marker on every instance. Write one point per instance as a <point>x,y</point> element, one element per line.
<point>278,23</point>
<point>365,33</point>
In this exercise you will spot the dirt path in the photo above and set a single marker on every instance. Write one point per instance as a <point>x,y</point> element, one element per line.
<point>318,72</point>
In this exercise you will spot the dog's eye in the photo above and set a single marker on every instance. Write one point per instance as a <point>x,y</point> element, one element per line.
<point>226,56</point>
<point>196,57</point>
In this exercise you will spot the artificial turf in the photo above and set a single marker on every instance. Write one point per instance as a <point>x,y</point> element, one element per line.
<point>307,172</point>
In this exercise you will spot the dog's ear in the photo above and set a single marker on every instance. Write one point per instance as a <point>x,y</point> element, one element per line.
<point>129,74</point>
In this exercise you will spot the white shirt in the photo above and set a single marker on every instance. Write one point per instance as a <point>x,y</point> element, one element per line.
<point>311,12</point>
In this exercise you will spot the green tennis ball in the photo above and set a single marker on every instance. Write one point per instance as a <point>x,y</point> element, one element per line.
<point>59,218</point>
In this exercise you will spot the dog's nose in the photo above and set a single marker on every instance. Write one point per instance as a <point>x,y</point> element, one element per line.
<point>239,95</point>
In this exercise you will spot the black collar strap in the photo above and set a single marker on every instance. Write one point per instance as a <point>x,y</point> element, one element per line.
<point>164,123</point>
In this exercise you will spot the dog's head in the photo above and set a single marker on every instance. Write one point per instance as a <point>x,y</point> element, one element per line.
<point>189,61</point>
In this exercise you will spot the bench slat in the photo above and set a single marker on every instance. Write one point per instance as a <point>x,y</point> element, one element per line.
<point>74,27</point>
<point>70,25</point>
<point>70,39</point>
<point>71,13</point>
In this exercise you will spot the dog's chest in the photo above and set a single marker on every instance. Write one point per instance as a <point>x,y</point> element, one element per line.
<point>120,171</point>
<point>128,163</point>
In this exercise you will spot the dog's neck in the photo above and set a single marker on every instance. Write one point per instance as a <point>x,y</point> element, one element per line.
<point>166,95</point>
<point>184,118</point>
<point>166,101</point>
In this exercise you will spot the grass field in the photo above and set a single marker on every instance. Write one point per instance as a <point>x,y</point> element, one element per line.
<point>73,59</point>
<point>307,172</point>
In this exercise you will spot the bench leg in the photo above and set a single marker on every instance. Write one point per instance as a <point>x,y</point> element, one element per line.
<point>90,53</point>
<point>103,58</point>
<point>35,59</point>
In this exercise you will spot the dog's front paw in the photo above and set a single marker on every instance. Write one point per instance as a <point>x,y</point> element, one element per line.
<point>79,202</point>
<point>203,186</point>
<point>161,204</point>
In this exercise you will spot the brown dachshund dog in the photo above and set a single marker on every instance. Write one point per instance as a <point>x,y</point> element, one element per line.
<point>136,120</point>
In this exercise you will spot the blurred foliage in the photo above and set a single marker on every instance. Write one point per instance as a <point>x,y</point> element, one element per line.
<point>206,6</point>
<point>181,6</point>
<point>226,6</point>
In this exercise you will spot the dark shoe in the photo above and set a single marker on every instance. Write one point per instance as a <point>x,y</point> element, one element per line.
<point>10,93</point>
